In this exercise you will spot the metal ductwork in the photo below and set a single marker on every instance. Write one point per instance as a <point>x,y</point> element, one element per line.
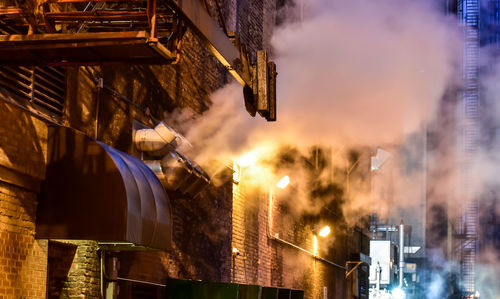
<point>175,171</point>
<point>158,141</point>
<point>178,173</point>
<point>95,192</point>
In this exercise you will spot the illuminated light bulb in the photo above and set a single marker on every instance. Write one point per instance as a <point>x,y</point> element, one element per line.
<point>325,231</point>
<point>398,293</point>
<point>477,294</point>
<point>247,160</point>
<point>283,182</point>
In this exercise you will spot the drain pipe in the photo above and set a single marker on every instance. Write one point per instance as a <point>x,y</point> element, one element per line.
<point>102,254</point>
<point>278,239</point>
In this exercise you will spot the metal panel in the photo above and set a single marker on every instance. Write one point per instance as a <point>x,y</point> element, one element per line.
<point>212,36</point>
<point>249,291</point>
<point>262,83</point>
<point>188,289</point>
<point>380,254</point>
<point>269,293</point>
<point>82,49</point>
<point>272,91</point>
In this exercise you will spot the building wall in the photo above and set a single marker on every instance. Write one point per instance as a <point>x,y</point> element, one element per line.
<point>23,260</point>
<point>206,228</point>
<point>269,261</point>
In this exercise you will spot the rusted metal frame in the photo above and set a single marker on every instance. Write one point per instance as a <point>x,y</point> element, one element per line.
<point>179,32</point>
<point>145,61</point>
<point>63,45</point>
<point>212,36</point>
<point>163,51</point>
<point>49,24</point>
<point>86,1</point>
<point>11,11</point>
<point>92,16</point>
<point>151,13</point>
<point>70,37</point>
<point>347,273</point>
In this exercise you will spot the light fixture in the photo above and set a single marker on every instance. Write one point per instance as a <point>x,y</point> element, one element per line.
<point>283,182</point>
<point>398,293</point>
<point>236,251</point>
<point>247,160</point>
<point>325,231</point>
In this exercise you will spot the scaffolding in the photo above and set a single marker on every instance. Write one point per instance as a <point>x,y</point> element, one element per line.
<point>466,237</point>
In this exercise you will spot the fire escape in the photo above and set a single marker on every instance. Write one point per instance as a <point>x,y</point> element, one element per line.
<point>469,126</point>
<point>82,32</point>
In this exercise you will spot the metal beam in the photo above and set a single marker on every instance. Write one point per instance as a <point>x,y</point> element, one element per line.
<point>212,36</point>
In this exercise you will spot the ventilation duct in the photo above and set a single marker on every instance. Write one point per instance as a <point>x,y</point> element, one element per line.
<point>175,171</point>
<point>178,173</point>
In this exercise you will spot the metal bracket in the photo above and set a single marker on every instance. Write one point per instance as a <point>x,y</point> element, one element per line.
<point>347,273</point>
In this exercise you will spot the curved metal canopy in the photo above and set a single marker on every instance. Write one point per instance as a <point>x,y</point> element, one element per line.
<point>95,192</point>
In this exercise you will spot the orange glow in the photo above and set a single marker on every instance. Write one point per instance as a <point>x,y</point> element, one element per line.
<point>247,160</point>
<point>315,245</point>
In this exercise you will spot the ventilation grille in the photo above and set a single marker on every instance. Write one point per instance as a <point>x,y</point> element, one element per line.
<point>42,87</point>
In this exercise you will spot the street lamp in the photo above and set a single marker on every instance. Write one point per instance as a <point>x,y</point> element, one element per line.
<point>283,183</point>
<point>324,232</point>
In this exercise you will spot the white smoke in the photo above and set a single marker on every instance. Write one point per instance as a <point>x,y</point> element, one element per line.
<point>349,73</point>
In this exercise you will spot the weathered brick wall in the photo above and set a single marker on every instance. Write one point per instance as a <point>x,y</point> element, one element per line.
<point>203,226</point>
<point>23,260</point>
<point>269,262</point>
<point>201,242</point>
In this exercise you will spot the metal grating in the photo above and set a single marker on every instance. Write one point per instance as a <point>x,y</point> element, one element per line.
<point>42,87</point>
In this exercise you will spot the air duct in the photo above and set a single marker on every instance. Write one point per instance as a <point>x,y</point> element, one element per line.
<point>178,173</point>
<point>158,141</point>
<point>175,171</point>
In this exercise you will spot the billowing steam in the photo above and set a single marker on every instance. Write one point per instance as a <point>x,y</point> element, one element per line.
<point>350,74</point>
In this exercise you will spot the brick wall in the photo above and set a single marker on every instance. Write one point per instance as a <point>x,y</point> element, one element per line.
<point>202,226</point>
<point>274,260</point>
<point>23,260</point>
<point>271,263</point>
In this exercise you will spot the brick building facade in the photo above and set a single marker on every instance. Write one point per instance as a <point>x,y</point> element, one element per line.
<point>205,228</point>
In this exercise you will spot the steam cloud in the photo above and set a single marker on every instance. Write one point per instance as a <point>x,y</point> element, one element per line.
<point>350,74</point>
<point>354,74</point>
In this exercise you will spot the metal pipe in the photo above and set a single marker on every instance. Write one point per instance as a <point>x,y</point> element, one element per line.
<point>270,236</point>
<point>142,282</point>
<point>102,253</point>
<point>401,252</point>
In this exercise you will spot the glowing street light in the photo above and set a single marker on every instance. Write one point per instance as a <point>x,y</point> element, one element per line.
<point>325,231</point>
<point>247,160</point>
<point>283,182</point>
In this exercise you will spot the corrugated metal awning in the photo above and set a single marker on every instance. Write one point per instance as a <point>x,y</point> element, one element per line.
<point>95,192</point>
